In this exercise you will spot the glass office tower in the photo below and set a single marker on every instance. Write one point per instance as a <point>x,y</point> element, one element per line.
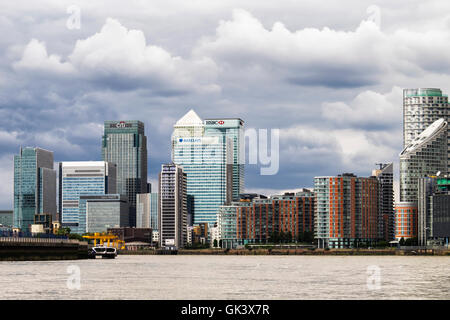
<point>82,178</point>
<point>103,212</point>
<point>125,144</point>
<point>34,186</point>
<point>208,162</point>
<point>234,130</point>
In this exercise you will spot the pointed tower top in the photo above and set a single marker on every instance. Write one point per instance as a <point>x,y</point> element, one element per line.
<point>190,119</point>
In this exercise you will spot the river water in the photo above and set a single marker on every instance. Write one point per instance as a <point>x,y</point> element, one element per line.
<point>229,277</point>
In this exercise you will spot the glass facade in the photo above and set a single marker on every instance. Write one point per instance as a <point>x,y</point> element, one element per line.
<point>125,144</point>
<point>34,186</point>
<point>6,218</point>
<point>210,156</point>
<point>232,129</point>
<point>82,178</point>
<point>422,107</point>
<point>104,211</point>
<point>147,211</point>
<point>425,155</point>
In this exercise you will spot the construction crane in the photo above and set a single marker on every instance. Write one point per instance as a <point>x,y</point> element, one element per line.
<point>381,165</point>
<point>109,239</point>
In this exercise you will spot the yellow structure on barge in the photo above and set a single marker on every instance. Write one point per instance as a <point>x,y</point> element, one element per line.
<point>109,240</point>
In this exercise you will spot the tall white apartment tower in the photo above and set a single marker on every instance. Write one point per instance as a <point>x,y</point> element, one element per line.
<point>421,108</point>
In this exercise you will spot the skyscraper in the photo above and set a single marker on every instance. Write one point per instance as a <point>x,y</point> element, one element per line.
<point>233,129</point>
<point>82,178</point>
<point>423,156</point>
<point>147,211</point>
<point>422,107</point>
<point>386,222</point>
<point>207,156</point>
<point>125,144</point>
<point>172,212</point>
<point>34,186</point>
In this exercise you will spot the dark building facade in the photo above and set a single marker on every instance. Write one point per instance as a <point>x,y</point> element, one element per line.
<point>434,210</point>
<point>128,234</point>
<point>125,144</point>
<point>386,216</point>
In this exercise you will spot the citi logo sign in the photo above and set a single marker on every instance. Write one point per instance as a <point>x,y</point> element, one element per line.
<point>121,124</point>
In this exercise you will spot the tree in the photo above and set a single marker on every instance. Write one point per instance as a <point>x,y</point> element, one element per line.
<point>63,231</point>
<point>215,243</point>
<point>402,241</point>
<point>77,237</point>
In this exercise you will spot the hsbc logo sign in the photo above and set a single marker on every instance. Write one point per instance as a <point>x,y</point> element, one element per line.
<point>214,122</point>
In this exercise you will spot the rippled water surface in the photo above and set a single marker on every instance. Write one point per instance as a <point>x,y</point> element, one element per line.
<point>231,277</point>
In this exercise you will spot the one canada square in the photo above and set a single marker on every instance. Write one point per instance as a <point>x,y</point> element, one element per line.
<point>210,153</point>
<point>125,144</point>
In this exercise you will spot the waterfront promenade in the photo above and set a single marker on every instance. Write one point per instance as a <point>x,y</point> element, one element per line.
<point>23,249</point>
<point>309,252</point>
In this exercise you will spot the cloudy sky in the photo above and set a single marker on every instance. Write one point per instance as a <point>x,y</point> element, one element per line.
<point>328,74</point>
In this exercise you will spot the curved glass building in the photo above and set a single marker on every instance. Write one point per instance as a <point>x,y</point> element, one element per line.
<point>422,107</point>
<point>423,156</point>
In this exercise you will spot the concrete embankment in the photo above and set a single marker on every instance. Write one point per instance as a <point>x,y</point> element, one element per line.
<point>34,249</point>
<point>343,252</point>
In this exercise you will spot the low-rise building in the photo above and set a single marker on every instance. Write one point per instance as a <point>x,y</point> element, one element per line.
<point>104,211</point>
<point>129,234</point>
<point>6,218</point>
<point>405,220</point>
<point>258,219</point>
